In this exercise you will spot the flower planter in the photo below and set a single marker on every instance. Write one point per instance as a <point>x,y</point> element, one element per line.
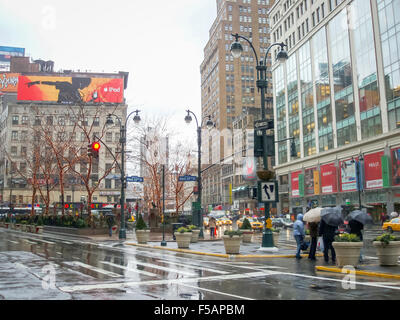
<point>6,224</point>
<point>142,236</point>
<point>275,236</point>
<point>195,236</point>
<point>17,226</point>
<point>32,228</point>
<point>23,227</point>
<point>247,236</point>
<point>232,244</point>
<point>347,253</point>
<point>183,239</point>
<point>388,253</point>
<point>39,229</point>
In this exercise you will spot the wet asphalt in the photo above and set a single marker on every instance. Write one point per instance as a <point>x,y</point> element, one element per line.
<point>56,267</point>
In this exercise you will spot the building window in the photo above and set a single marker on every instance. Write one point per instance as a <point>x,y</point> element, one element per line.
<point>14,136</point>
<point>15,120</point>
<point>49,120</point>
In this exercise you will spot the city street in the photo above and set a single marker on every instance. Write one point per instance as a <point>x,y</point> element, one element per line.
<point>58,267</point>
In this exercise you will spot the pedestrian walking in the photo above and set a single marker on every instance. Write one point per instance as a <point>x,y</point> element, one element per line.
<point>298,232</point>
<point>212,224</point>
<point>313,227</point>
<point>328,233</point>
<point>110,223</point>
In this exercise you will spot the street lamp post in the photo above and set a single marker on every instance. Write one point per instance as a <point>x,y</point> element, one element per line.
<point>122,140</point>
<point>209,125</point>
<point>262,85</point>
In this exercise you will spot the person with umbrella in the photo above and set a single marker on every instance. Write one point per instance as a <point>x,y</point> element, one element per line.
<point>313,217</point>
<point>330,220</point>
<point>357,219</point>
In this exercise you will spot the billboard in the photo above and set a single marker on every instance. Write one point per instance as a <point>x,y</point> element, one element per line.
<point>9,82</point>
<point>5,56</point>
<point>348,175</point>
<point>68,90</point>
<point>328,178</point>
<point>249,169</point>
<point>396,166</point>
<point>373,170</point>
<point>309,181</point>
<point>295,183</point>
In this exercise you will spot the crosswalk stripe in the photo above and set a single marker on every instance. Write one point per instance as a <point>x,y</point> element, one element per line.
<point>129,269</point>
<point>150,265</point>
<point>13,241</point>
<point>87,266</point>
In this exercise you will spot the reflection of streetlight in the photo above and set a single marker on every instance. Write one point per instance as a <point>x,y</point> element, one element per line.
<point>262,85</point>
<point>122,140</point>
<point>209,125</point>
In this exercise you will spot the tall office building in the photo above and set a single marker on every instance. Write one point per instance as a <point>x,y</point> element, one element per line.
<point>228,86</point>
<point>338,95</point>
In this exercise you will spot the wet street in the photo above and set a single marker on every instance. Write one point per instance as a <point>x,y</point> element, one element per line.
<point>56,267</point>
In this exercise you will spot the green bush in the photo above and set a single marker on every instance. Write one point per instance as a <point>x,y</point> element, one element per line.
<point>39,221</point>
<point>80,223</point>
<point>140,224</point>
<point>192,227</point>
<point>232,233</point>
<point>246,225</point>
<point>347,237</point>
<point>183,230</point>
<point>386,238</point>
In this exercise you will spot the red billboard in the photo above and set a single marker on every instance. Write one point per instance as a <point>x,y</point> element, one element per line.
<point>294,176</point>
<point>9,82</point>
<point>396,166</point>
<point>67,90</point>
<point>373,170</point>
<point>328,178</point>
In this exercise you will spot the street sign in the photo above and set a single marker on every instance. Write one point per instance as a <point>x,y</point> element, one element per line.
<point>187,178</point>
<point>134,179</point>
<point>268,191</point>
<point>113,176</point>
<point>264,124</point>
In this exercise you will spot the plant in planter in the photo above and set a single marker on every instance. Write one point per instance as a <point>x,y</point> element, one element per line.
<point>24,225</point>
<point>388,249</point>
<point>142,232</point>
<point>232,239</point>
<point>195,233</point>
<point>183,237</point>
<point>347,247</point>
<point>247,231</point>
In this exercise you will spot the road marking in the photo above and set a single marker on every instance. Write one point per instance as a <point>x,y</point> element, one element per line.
<point>150,265</point>
<point>13,241</point>
<point>217,292</point>
<point>49,242</point>
<point>87,266</point>
<point>122,285</point>
<point>26,240</point>
<point>129,269</point>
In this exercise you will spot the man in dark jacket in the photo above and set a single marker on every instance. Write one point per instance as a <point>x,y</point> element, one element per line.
<point>328,234</point>
<point>313,227</point>
<point>356,227</point>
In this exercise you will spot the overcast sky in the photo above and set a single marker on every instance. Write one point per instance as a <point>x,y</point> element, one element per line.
<point>160,43</point>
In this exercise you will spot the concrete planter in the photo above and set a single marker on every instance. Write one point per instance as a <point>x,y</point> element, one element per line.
<point>388,253</point>
<point>347,253</point>
<point>39,229</point>
<point>24,227</point>
<point>31,228</point>
<point>183,239</point>
<point>232,244</point>
<point>247,236</point>
<point>142,236</point>
<point>6,224</point>
<point>195,236</point>
<point>275,236</point>
<point>17,226</point>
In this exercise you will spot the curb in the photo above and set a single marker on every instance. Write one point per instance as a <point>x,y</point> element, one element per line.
<point>359,272</point>
<point>221,255</point>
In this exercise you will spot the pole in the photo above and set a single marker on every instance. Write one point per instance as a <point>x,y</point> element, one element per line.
<point>122,232</point>
<point>199,187</point>
<point>358,182</point>
<point>163,242</point>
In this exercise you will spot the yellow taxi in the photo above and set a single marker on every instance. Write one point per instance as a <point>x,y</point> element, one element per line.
<point>256,225</point>
<point>393,225</point>
<point>219,222</point>
<point>226,221</point>
<point>240,222</point>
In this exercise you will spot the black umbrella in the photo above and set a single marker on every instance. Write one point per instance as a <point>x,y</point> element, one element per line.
<point>332,216</point>
<point>360,216</point>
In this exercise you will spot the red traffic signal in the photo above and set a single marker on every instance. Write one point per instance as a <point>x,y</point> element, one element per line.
<point>95,149</point>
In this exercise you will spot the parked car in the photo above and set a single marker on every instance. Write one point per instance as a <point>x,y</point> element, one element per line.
<point>393,225</point>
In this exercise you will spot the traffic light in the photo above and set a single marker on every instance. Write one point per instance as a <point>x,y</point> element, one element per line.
<point>270,145</point>
<point>89,150</point>
<point>95,149</point>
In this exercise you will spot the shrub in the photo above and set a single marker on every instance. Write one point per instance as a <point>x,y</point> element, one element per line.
<point>246,225</point>
<point>39,221</point>
<point>80,223</point>
<point>140,224</point>
<point>192,227</point>
<point>386,238</point>
<point>183,230</point>
<point>347,237</point>
<point>232,233</point>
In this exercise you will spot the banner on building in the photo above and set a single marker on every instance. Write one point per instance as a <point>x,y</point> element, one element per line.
<point>295,183</point>
<point>70,89</point>
<point>373,170</point>
<point>9,82</point>
<point>396,166</point>
<point>249,169</point>
<point>348,175</point>
<point>317,185</point>
<point>309,184</point>
<point>328,178</point>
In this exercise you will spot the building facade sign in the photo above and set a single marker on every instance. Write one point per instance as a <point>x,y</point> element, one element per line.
<point>395,153</point>
<point>295,183</point>
<point>328,178</point>
<point>373,170</point>
<point>309,184</point>
<point>348,175</point>
<point>9,82</point>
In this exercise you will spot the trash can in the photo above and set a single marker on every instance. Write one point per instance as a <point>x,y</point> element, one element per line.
<point>175,226</point>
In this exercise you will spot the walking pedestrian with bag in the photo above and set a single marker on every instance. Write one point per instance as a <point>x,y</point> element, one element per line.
<point>212,224</point>
<point>328,235</point>
<point>298,232</point>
